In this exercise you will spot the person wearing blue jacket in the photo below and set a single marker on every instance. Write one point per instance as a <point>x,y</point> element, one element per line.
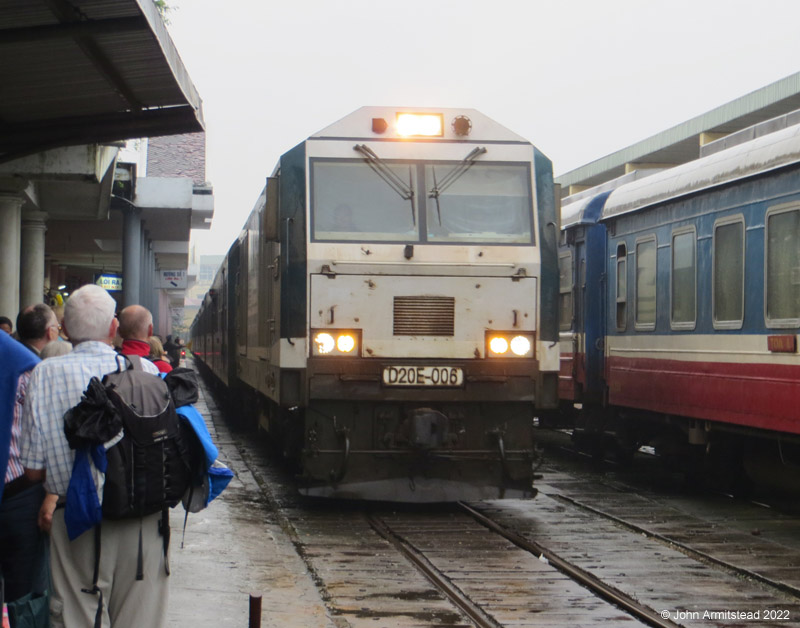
<point>22,545</point>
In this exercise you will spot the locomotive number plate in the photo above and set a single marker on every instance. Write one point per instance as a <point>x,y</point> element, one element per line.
<point>436,376</point>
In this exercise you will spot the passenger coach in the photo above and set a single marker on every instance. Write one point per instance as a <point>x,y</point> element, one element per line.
<point>680,305</point>
<point>388,313</point>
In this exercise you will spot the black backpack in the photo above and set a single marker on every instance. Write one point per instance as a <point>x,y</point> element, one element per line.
<point>150,468</point>
<point>155,462</point>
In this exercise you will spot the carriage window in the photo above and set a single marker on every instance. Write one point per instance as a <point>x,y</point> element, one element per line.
<point>646,284</point>
<point>783,268</point>
<point>729,275</point>
<point>622,287</point>
<point>684,280</point>
<point>565,291</point>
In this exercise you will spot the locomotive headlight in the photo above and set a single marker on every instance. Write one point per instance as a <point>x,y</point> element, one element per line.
<point>500,344</point>
<point>336,342</point>
<point>520,345</point>
<point>345,343</point>
<point>324,343</point>
<point>420,124</point>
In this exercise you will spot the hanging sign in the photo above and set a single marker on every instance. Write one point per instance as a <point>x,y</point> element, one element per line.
<point>107,281</point>
<point>172,279</point>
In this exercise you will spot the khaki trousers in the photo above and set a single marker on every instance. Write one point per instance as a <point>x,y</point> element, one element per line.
<point>128,603</point>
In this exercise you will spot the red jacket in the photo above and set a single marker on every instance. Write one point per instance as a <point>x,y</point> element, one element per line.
<point>142,349</point>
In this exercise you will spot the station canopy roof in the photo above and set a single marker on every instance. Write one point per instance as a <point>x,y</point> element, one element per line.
<point>685,142</point>
<point>89,71</point>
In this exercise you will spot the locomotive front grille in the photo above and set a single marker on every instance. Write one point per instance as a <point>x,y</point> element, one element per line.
<point>424,316</point>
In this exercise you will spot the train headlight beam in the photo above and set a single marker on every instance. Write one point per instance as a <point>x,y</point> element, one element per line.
<point>324,342</point>
<point>345,343</point>
<point>498,345</point>
<point>520,345</point>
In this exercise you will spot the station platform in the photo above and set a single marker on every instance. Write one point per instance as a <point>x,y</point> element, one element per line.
<point>232,550</point>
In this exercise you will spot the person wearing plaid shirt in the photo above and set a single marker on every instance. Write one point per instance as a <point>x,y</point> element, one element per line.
<point>57,385</point>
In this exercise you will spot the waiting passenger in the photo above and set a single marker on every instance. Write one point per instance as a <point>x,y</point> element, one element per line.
<point>5,324</point>
<point>157,355</point>
<point>55,349</point>
<point>135,329</point>
<point>173,351</point>
<point>37,326</point>
<point>90,323</point>
<point>23,547</point>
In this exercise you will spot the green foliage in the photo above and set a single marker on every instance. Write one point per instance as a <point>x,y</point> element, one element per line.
<point>163,9</point>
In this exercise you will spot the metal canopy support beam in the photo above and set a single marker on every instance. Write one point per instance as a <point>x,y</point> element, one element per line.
<point>24,139</point>
<point>68,14</point>
<point>90,28</point>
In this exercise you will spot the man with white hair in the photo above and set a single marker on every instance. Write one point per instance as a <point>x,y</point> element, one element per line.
<point>57,385</point>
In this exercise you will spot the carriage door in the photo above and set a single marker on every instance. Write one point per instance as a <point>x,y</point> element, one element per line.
<point>594,284</point>
<point>579,336</point>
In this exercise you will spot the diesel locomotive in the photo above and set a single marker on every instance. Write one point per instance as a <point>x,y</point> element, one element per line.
<point>388,314</point>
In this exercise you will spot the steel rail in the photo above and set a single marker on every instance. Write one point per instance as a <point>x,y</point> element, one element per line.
<point>593,583</point>
<point>688,550</point>
<point>439,580</point>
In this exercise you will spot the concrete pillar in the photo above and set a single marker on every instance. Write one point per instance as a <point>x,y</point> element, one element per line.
<point>153,289</point>
<point>143,275</point>
<point>31,285</point>
<point>147,284</point>
<point>10,228</point>
<point>131,254</point>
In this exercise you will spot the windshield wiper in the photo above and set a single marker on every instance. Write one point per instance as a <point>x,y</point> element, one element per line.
<point>451,177</point>
<point>382,169</point>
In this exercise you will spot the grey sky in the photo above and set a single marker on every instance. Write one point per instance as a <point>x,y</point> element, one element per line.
<point>578,78</point>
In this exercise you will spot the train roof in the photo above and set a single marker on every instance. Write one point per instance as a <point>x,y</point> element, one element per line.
<point>575,212</point>
<point>574,209</point>
<point>361,125</point>
<point>762,154</point>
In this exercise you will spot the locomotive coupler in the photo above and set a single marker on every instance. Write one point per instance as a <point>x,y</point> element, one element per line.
<point>428,429</point>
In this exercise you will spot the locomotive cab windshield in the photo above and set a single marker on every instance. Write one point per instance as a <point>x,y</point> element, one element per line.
<point>462,202</point>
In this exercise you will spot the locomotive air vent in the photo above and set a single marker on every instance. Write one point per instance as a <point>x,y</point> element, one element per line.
<point>424,316</point>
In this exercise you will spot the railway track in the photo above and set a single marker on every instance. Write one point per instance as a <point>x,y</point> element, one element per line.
<point>480,617</point>
<point>577,555</point>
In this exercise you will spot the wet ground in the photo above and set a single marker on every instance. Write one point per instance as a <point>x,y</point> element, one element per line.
<point>233,549</point>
